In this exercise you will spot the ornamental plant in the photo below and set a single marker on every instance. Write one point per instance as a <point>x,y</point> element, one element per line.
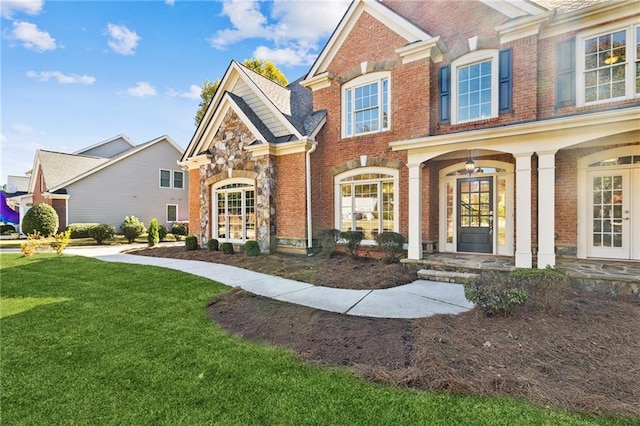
<point>391,244</point>
<point>496,293</point>
<point>226,248</point>
<point>162,232</point>
<point>102,232</point>
<point>212,244</point>
<point>179,230</point>
<point>252,248</point>
<point>328,239</point>
<point>41,218</point>
<point>153,235</point>
<point>61,241</point>
<point>191,243</point>
<point>132,228</point>
<point>353,239</point>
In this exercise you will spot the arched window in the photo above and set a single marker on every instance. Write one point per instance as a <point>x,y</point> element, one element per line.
<point>366,200</point>
<point>234,211</point>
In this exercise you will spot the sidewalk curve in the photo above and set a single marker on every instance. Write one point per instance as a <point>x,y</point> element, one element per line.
<point>418,299</point>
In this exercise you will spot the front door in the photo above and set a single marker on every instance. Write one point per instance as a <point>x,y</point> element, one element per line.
<point>610,213</point>
<point>475,215</point>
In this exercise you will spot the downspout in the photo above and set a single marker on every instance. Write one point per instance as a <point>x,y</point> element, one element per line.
<point>314,145</point>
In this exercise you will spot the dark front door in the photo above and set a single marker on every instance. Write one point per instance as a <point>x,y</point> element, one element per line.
<point>475,215</point>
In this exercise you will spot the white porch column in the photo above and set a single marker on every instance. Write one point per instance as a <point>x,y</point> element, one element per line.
<point>415,211</point>
<point>523,210</point>
<point>546,209</point>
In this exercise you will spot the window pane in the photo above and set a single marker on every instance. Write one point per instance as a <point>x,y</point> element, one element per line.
<point>178,179</point>
<point>172,213</point>
<point>165,178</point>
<point>474,91</point>
<point>607,55</point>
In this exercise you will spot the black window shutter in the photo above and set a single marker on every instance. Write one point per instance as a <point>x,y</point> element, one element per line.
<point>445,93</point>
<point>566,73</point>
<point>505,81</point>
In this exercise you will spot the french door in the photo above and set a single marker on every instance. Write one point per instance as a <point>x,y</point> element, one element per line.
<point>610,213</point>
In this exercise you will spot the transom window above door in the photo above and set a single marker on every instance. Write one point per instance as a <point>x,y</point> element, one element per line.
<point>365,105</point>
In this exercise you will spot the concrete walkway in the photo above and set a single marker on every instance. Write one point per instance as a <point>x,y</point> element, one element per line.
<point>419,299</point>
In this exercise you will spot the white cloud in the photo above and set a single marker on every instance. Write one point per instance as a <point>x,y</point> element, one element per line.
<point>294,27</point>
<point>30,7</point>
<point>142,89</point>
<point>122,40</point>
<point>22,129</point>
<point>170,2</point>
<point>193,93</point>
<point>32,38</point>
<point>62,78</point>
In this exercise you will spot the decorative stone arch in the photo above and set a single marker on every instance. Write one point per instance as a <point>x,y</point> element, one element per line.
<point>231,174</point>
<point>366,161</point>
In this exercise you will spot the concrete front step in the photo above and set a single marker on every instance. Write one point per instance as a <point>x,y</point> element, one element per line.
<point>446,276</point>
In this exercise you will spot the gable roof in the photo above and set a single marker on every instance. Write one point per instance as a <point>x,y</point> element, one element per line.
<point>290,107</point>
<point>106,142</point>
<point>60,169</point>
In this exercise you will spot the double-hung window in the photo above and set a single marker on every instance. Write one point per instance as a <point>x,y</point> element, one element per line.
<point>476,86</point>
<point>365,105</point>
<point>171,179</point>
<point>609,65</point>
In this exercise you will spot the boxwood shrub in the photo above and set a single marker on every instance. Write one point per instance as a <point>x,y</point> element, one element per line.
<point>391,244</point>
<point>226,248</point>
<point>496,293</point>
<point>42,218</point>
<point>252,248</point>
<point>102,232</point>
<point>212,244</point>
<point>191,243</point>
<point>81,230</point>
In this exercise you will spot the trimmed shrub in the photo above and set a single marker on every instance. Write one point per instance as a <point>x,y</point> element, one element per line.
<point>496,293</point>
<point>179,230</point>
<point>102,232</point>
<point>35,242</point>
<point>61,241</point>
<point>353,239</point>
<point>191,243</point>
<point>252,248</point>
<point>42,218</point>
<point>328,239</point>
<point>391,244</point>
<point>162,232</point>
<point>226,248</point>
<point>81,230</point>
<point>132,228</point>
<point>547,288</point>
<point>212,244</point>
<point>153,236</point>
<point>7,229</point>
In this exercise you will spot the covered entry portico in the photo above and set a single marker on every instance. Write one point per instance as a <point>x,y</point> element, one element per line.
<point>521,141</point>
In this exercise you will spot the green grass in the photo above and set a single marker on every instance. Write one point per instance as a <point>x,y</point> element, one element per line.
<point>80,242</point>
<point>132,345</point>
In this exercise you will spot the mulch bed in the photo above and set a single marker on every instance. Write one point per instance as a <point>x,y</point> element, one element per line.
<point>584,357</point>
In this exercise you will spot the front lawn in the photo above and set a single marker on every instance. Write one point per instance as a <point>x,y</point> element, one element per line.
<point>103,343</point>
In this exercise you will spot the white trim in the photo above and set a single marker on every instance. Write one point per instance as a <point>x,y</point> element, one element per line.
<point>469,59</point>
<point>629,26</point>
<point>167,213</point>
<point>371,78</point>
<point>160,178</point>
<point>337,191</point>
<point>515,8</point>
<point>507,175</point>
<point>214,207</point>
<point>173,179</point>
<point>584,195</point>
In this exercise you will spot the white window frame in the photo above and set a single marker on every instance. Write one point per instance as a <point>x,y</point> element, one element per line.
<point>338,179</point>
<point>160,178</point>
<point>214,208</point>
<point>173,179</point>
<point>365,80</point>
<point>167,211</point>
<point>469,59</point>
<point>629,26</point>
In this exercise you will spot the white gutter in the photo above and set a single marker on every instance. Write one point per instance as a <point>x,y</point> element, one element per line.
<point>309,219</point>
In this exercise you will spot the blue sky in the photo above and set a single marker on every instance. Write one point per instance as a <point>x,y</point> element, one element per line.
<point>75,73</point>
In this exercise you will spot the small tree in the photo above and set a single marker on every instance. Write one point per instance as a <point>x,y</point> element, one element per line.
<point>153,235</point>
<point>132,228</point>
<point>162,232</point>
<point>41,218</point>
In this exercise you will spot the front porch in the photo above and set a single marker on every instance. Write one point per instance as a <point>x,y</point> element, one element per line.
<point>599,275</point>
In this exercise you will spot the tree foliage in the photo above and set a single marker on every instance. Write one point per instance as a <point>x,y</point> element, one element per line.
<point>42,218</point>
<point>261,66</point>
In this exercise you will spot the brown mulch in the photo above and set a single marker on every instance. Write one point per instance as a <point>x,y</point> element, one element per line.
<point>585,357</point>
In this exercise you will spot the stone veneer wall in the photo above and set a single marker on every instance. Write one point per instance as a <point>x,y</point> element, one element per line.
<point>227,149</point>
